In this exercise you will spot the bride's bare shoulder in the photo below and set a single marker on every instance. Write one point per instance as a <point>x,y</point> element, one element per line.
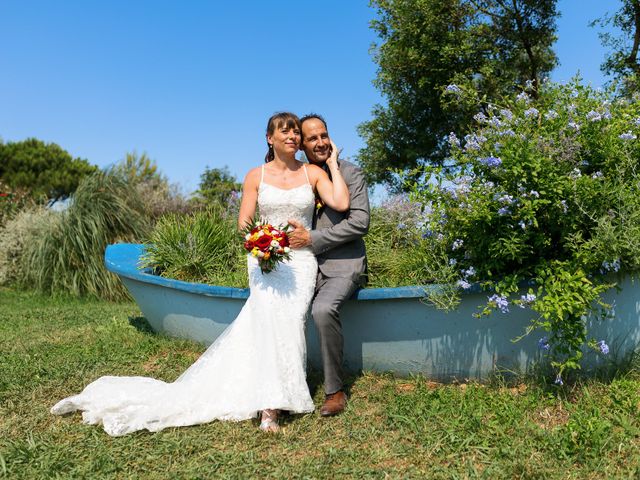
<point>253,176</point>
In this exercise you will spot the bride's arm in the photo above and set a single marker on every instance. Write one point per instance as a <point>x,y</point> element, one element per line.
<point>334,192</point>
<point>249,198</point>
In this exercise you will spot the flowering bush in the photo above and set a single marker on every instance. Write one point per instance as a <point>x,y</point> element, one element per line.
<point>11,202</point>
<point>543,193</point>
<point>399,254</point>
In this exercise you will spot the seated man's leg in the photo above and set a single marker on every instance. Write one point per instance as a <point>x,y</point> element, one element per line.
<point>331,293</point>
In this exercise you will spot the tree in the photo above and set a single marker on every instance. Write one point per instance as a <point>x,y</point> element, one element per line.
<point>486,46</point>
<point>44,169</point>
<point>622,61</point>
<point>136,169</point>
<point>217,185</point>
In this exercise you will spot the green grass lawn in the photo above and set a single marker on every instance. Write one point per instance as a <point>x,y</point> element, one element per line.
<point>393,428</point>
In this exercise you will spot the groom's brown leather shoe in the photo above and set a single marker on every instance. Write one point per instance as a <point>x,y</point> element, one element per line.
<point>334,404</point>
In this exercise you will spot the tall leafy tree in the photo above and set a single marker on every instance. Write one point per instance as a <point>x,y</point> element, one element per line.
<point>485,46</point>
<point>44,169</point>
<point>623,40</point>
<point>137,168</point>
<point>217,184</point>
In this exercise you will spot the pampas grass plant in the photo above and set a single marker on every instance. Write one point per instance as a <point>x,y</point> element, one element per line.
<point>68,255</point>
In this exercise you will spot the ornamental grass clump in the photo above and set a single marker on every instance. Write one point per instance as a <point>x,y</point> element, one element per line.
<point>203,247</point>
<point>543,193</point>
<point>68,255</point>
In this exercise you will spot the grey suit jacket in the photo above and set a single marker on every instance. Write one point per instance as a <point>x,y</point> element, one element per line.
<point>336,238</point>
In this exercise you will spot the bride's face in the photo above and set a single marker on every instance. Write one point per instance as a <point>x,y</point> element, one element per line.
<point>285,140</point>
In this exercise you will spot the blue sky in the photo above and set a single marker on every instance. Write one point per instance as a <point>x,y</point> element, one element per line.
<point>193,83</point>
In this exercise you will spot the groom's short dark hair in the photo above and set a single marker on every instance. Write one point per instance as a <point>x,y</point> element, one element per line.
<point>310,116</point>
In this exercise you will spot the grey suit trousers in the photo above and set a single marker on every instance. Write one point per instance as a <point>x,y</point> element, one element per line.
<point>331,293</point>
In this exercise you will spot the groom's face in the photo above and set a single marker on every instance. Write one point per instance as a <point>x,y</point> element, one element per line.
<point>315,141</point>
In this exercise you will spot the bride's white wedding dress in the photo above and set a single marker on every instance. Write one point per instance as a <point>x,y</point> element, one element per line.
<point>257,363</point>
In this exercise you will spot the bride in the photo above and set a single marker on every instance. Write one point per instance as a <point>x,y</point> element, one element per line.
<point>258,363</point>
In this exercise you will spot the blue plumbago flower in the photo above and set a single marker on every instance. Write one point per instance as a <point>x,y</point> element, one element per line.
<point>508,199</point>
<point>606,115</point>
<point>495,122</point>
<point>526,300</point>
<point>604,348</point>
<point>574,126</point>
<point>504,211</point>
<point>457,244</point>
<point>463,284</point>
<point>627,136</point>
<point>610,266</point>
<point>501,302</point>
<point>471,145</point>
<point>550,115</point>
<point>563,204</point>
<point>473,141</point>
<point>534,193</point>
<point>523,97</point>
<point>439,237</point>
<point>480,117</point>
<point>543,344</point>
<point>507,114</point>
<point>531,112</point>
<point>575,173</point>
<point>571,108</point>
<point>427,233</point>
<point>507,133</point>
<point>529,85</point>
<point>559,380</point>
<point>453,262</point>
<point>453,140</point>
<point>453,88</point>
<point>402,226</point>
<point>594,116</point>
<point>636,122</point>
<point>469,272</point>
<point>597,174</point>
<point>522,225</point>
<point>491,161</point>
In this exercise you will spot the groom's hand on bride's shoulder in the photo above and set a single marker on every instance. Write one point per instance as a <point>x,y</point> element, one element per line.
<point>299,236</point>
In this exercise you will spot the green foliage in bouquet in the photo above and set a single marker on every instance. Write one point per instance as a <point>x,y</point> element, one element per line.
<point>545,194</point>
<point>203,246</point>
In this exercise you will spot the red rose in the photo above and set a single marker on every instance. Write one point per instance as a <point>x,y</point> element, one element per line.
<point>263,242</point>
<point>284,241</point>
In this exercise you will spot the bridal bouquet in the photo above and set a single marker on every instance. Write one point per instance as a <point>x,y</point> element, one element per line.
<point>269,244</point>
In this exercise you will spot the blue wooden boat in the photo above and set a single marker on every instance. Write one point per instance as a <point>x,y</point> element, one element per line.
<point>385,329</point>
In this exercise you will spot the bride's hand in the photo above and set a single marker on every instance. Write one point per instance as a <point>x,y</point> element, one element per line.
<point>333,158</point>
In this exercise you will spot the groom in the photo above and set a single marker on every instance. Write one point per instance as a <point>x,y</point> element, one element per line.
<point>336,240</point>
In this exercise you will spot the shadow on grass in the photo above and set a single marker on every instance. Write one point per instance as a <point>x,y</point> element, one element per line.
<point>142,325</point>
<point>543,375</point>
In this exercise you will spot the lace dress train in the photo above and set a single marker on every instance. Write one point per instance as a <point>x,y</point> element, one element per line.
<point>258,362</point>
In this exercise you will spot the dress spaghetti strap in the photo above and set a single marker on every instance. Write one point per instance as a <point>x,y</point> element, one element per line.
<point>305,173</point>
<point>262,176</point>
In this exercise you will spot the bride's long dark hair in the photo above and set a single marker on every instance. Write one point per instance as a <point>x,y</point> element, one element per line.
<point>279,120</point>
